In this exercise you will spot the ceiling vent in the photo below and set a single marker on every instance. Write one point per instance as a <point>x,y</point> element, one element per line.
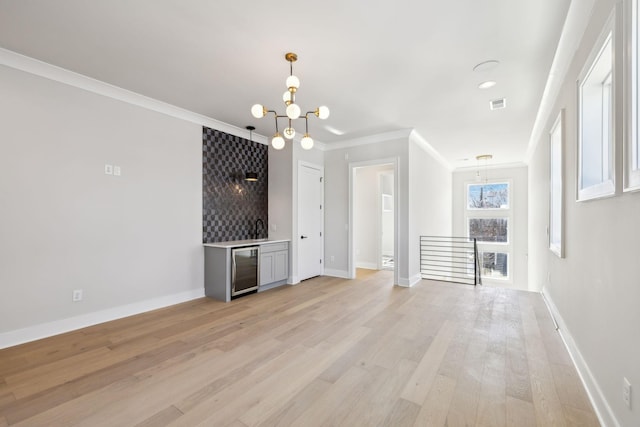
<point>498,104</point>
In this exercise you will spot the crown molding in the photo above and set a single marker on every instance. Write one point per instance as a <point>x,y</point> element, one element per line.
<point>491,167</point>
<point>573,31</point>
<point>39,68</point>
<point>366,140</point>
<point>422,143</point>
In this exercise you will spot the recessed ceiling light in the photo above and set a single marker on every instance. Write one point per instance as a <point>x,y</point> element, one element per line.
<point>487,84</point>
<point>486,65</point>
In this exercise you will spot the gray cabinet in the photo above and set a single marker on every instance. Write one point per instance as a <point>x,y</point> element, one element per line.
<point>274,264</point>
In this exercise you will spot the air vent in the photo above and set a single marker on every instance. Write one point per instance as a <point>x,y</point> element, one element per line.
<point>498,104</point>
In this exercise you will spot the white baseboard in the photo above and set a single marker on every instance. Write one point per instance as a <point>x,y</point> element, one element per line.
<point>343,274</point>
<point>367,265</point>
<point>409,282</point>
<point>44,330</point>
<point>596,396</point>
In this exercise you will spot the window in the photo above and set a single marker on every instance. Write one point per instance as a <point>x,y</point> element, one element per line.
<point>632,140</point>
<point>488,196</point>
<point>555,192</point>
<point>488,218</point>
<point>494,265</point>
<point>489,229</point>
<point>595,121</point>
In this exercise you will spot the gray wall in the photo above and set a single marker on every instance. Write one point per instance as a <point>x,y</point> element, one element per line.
<point>423,199</point>
<point>336,218</point>
<point>595,289</point>
<point>66,225</point>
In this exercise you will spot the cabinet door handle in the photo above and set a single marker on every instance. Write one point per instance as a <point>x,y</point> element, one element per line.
<point>303,237</point>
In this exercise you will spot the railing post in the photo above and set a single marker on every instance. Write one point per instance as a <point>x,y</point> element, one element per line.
<point>476,266</point>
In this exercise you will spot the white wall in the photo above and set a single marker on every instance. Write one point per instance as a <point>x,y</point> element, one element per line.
<point>65,225</point>
<point>430,205</point>
<point>518,224</point>
<point>595,289</point>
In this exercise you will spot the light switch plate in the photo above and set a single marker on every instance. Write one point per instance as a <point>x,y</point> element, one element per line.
<point>117,171</point>
<point>108,169</point>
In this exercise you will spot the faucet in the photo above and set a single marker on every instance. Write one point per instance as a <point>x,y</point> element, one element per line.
<point>256,230</point>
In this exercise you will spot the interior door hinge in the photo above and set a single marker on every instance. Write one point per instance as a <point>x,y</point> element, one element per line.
<point>320,261</point>
<point>321,234</point>
<point>320,179</point>
<point>320,207</point>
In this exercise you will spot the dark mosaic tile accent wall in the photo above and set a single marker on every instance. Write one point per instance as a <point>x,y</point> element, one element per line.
<point>232,205</point>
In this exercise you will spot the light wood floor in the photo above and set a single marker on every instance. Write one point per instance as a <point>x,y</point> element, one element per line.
<point>328,352</point>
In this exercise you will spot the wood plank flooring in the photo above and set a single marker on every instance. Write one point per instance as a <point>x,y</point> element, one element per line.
<point>327,352</point>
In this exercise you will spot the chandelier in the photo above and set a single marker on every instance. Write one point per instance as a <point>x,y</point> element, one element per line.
<point>292,111</point>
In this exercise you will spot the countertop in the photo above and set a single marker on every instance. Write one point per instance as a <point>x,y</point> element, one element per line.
<point>238,243</point>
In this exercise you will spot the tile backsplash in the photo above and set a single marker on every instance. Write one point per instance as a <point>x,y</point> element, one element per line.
<point>232,205</point>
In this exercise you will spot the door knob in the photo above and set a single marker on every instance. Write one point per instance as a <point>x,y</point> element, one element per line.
<point>303,237</point>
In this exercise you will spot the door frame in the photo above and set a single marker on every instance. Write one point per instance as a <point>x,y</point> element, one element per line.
<point>380,177</point>
<point>351,266</point>
<point>296,235</point>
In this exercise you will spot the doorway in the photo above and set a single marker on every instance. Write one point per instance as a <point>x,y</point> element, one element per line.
<point>373,235</point>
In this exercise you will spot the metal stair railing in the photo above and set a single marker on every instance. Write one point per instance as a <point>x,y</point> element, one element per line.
<point>450,259</point>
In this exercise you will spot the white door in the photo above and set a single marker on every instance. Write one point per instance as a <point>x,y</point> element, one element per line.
<point>310,222</point>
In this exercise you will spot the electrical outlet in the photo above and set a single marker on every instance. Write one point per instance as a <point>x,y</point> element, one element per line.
<point>108,169</point>
<point>626,392</point>
<point>77,295</point>
<point>333,258</point>
<point>117,171</point>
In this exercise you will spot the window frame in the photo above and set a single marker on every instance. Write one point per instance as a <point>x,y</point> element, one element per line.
<point>556,186</point>
<point>607,186</point>
<point>631,152</point>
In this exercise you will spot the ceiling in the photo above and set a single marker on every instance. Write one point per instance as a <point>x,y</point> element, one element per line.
<point>380,66</point>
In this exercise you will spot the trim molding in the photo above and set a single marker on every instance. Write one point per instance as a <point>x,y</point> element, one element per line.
<point>45,330</point>
<point>596,396</point>
<point>409,282</point>
<point>367,265</point>
<point>572,33</point>
<point>39,68</point>
<point>366,140</point>
<point>428,148</point>
<point>343,274</point>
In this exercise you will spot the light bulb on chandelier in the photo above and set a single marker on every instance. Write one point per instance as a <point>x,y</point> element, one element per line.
<point>278,141</point>
<point>292,111</point>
